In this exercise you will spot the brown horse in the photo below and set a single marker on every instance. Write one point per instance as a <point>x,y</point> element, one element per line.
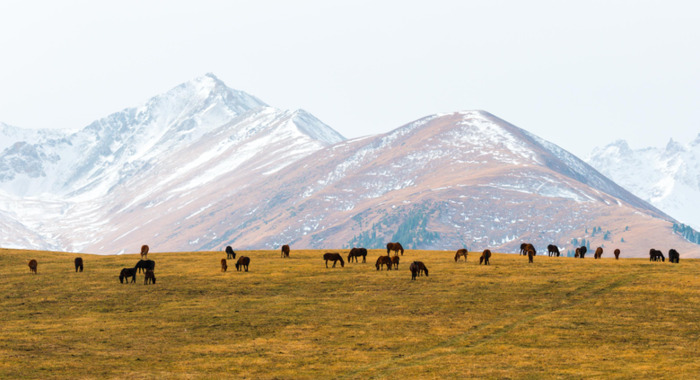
<point>334,257</point>
<point>581,252</point>
<point>553,250</point>
<point>32,265</point>
<point>617,253</point>
<point>395,262</point>
<point>224,265</point>
<point>396,247</point>
<point>598,253</point>
<point>384,260</point>
<point>230,254</point>
<point>78,264</point>
<point>285,250</point>
<point>416,268</point>
<point>524,248</point>
<point>150,277</point>
<point>144,251</point>
<point>530,256</point>
<point>674,256</point>
<point>242,263</point>
<point>356,252</point>
<point>656,255</point>
<point>485,256</point>
<point>460,253</point>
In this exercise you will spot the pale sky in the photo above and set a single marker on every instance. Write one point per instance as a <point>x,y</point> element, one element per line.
<point>577,73</point>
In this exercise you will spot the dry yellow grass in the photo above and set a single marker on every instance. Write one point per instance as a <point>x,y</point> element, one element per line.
<point>293,318</point>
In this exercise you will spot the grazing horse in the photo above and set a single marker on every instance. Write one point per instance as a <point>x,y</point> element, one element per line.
<point>150,277</point>
<point>616,252</point>
<point>285,250</point>
<point>395,262</point>
<point>673,256</point>
<point>32,265</point>
<point>242,263</point>
<point>485,256</point>
<point>224,265</point>
<point>78,264</point>
<point>396,247</point>
<point>126,273</point>
<point>553,250</point>
<point>356,252</point>
<point>656,255</point>
<point>416,268</point>
<point>144,265</point>
<point>581,252</point>
<point>598,253</point>
<point>460,253</point>
<point>144,251</point>
<point>334,257</point>
<point>525,246</point>
<point>230,254</point>
<point>530,256</point>
<point>384,260</point>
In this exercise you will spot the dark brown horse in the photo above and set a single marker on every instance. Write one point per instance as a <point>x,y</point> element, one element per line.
<point>674,256</point>
<point>230,254</point>
<point>553,250</point>
<point>384,260</point>
<point>242,263</point>
<point>395,262</point>
<point>357,252</point>
<point>126,273</point>
<point>485,257</point>
<point>150,277</point>
<point>598,254</point>
<point>285,250</point>
<point>525,247</point>
<point>396,247</point>
<point>144,265</point>
<point>32,265</point>
<point>460,253</point>
<point>581,252</point>
<point>334,257</point>
<point>144,251</point>
<point>78,264</point>
<point>617,253</point>
<point>530,255</point>
<point>224,265</point>
<point>416,268</point>
<point>656,255</point>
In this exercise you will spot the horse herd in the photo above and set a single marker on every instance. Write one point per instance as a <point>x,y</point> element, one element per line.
<point>417,268</point>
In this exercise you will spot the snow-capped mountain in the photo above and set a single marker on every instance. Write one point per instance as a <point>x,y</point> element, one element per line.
<point>203,166</point>
<point>667,177</point>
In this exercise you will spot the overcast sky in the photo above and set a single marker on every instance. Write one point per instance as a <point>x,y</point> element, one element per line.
<point>577,73</point>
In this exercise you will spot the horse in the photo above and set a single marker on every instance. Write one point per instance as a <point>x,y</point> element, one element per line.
<point>126,273</point>
<point>617,253</point>
<point>32,265</point>
<point>553,250</point>
<point>242,263</point>
<point>530,256</point>
<point>285,250</point>
<point>230,254</point>
<point>150,277</point>
<point>144,251</point>
<point>78,264</point>
<point>485,256</point>
<point>460,253</point>
<point>656,255</point>
<point>525,246</point>
<point>581,252</point>
<point>395,262</point>
<point>144,265</point>
<point>598,253</point>
<point>414,270</point>
<point>673,256</point>
<point>224,265</point>
<point>384,260</point>
<point>396,247</point>
<point>355,252</point>
<point>333,256</point>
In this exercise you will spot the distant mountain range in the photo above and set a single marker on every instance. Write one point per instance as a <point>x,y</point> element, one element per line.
<point>203,166</point>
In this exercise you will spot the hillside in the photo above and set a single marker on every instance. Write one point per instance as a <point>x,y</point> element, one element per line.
<point>293,318</point>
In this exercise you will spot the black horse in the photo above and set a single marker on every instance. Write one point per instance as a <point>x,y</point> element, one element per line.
<point>356,252</point>
<point>553,250</point>
<point>581,252</point>
<point>126,273</point>
<point>485,257</point>
<point>230,254</point>
<point>150,277</point>
<point>656,255</point>
<point>78,264</point>
<point>144,265</point>
<point>673,256</point>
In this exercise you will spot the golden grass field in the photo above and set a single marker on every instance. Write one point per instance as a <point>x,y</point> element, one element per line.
<point>293,318</point>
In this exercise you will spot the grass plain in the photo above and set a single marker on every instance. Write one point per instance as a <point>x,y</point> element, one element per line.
<point>294,318</point>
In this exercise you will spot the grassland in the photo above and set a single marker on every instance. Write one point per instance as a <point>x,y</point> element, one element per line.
<point>293,318</point>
